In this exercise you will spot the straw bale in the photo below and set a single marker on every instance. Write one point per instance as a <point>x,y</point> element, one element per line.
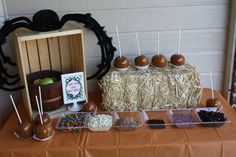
<point>171,87</point>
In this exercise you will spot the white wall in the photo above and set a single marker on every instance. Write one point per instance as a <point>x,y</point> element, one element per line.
<point>204,26</point>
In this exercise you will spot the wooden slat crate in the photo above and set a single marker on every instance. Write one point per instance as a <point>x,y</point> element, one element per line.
<point>61,50</point>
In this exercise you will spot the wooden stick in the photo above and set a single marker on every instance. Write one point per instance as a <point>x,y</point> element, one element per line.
<point>17,113</point>
<point>139,52</point>
<point>86,99</point>
<point>40,115</point>
<point>179,40</point>
<point>96,109</point>
<point>158,46</point>
<point>212,86</point>
<point>40,100</point>
<point>118,40</point>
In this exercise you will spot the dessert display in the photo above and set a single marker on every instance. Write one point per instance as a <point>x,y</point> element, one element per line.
<point>159,61</point>
<point>100,122</point>
<point>127,123</point>
<point>141,62</point>
<point>24,130</point>
<point>156,123</point>
<point>90,107</point>
<point>159,87</point>
<point>73,121</point>
<point>121,63</point>
<point>177,59</point>
<point>213,102</point>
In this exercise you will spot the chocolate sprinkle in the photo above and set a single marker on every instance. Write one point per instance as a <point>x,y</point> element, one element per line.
<point>127,123</point>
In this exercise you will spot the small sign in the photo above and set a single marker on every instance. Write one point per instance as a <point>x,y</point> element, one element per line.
<point>73,87</point>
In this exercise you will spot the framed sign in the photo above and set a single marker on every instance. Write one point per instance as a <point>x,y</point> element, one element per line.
<point>73,87</point>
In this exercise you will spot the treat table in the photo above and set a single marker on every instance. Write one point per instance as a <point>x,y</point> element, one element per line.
<point>143,142</point>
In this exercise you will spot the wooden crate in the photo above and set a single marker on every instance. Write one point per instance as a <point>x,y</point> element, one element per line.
<point>60,50</point>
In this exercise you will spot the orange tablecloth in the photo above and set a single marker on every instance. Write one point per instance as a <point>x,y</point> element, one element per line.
<point>144,142</point>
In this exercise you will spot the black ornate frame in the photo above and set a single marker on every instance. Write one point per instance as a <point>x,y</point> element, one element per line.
<point>47,20</point>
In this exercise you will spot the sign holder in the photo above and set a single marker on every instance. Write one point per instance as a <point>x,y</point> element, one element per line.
<point>73,90</point>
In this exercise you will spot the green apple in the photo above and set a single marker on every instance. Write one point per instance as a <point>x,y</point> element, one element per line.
<point>37,81</point>
<point>46,80</point>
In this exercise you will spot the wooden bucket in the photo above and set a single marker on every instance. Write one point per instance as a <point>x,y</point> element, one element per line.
<point>51,93</point>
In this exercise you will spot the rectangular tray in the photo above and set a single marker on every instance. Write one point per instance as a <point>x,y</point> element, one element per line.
<point>128,121</point>
<point>158,115</point>
<point>183,118</point>
<point>100,128</point>
<point>70,117</point>
<point>212,110</point>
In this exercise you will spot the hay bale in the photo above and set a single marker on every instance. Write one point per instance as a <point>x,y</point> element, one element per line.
<point>151,89</point>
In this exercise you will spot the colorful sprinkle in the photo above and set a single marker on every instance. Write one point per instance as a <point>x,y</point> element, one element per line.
<point>73,120</point>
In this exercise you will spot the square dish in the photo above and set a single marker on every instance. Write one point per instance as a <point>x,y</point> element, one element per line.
<point>212,117</point>
<point>72,121</point>
<point>128,121</point>
<point>183,118</point>
<point>100,121</point>
<point>157,119</point>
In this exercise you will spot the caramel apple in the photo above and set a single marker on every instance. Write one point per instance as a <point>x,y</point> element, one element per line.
<point>141,62</point>
<point>43,131</point>
<point>213,102</point>
<point>45,117</point>
<point>24,129</point>
<point>121,62</point>
<point>89,106</point>
<point>177,59</point>
<point>159,61</point>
